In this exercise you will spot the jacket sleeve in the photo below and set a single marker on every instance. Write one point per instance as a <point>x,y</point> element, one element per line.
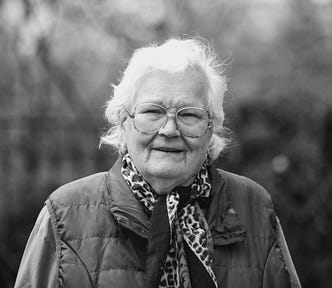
<point>39,265</point>
<point>279,271</point>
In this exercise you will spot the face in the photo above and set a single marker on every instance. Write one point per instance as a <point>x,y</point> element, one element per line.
<point>167,159</point>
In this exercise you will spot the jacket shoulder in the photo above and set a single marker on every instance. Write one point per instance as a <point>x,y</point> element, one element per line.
<point>90,189</point>
<point>252,202</point>
<point>241,186</point>
<point>80,210</point>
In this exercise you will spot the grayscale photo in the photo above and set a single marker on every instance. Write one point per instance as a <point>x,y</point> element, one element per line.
<point>158,143</point>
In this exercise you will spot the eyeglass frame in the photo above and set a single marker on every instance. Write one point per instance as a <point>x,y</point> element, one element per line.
<point>174,115</point>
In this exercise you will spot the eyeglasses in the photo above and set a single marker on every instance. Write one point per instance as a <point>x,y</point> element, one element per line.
<point>190,121</point>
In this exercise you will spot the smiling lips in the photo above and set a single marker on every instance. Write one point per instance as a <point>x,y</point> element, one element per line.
<point>169,150</point>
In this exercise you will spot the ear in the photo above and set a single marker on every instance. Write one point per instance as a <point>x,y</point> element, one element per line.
<point>210,133</point>
<point>122,134</point>
<point>123,117</point>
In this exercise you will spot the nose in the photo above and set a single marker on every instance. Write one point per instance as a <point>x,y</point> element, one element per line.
<point>169,129</point>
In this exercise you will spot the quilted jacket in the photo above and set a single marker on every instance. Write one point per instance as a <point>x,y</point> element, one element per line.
<point>93,233</point>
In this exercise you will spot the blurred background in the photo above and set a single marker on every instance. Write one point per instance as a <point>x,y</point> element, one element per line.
<point>59,58</point>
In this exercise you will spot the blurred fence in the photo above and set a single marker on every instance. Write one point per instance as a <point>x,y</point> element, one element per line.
<point>38,154</point>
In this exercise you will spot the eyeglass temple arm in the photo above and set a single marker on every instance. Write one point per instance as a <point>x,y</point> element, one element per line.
<point>131,115</point>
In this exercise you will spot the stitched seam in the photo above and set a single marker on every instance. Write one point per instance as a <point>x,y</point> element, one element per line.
<point>248,235</point>
<point>80,261</point>
<point>127,269</point>
<point>58,245</point>
<point>83,204</point>
<point>107,268</point>
<point>265,263</point>
<point>93,237</point>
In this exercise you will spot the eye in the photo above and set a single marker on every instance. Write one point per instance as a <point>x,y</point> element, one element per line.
<point>153,111</point>
<point>189,115</point>
<point>192,114</point>
<point>150,112</point>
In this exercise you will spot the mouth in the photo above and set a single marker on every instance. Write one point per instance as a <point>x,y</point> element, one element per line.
<point>168,150</point>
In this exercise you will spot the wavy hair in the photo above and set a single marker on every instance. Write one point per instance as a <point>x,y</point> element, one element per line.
<point>175,55</point>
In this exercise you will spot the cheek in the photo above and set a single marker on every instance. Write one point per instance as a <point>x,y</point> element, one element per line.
<point>199,149</point>
<point>136,141</point>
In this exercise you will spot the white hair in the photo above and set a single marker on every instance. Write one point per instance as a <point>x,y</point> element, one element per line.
<point>175,55</point>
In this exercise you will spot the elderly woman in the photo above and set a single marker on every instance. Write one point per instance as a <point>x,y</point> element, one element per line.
<point>163,216</point>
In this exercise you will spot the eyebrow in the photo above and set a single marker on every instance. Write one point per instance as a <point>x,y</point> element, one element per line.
<point>178,104</point>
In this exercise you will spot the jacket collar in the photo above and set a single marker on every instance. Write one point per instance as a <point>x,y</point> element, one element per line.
<point>224,222</point>
<point>126,209</point>
<point>225,225</point>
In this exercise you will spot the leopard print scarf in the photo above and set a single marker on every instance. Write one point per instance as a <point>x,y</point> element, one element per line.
<point>188,225</point>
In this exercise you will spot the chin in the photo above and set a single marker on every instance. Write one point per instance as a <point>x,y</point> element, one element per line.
<point>166,171</point>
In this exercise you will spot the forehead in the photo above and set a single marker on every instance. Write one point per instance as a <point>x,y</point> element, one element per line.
<point>179,89</point>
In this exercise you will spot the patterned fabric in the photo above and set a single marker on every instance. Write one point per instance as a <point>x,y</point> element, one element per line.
<point>188,225</point>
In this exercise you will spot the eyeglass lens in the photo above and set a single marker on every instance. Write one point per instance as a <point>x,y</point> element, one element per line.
<point>191,121</point>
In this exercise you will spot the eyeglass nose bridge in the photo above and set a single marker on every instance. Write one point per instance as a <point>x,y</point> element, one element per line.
<point>170,115</point>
